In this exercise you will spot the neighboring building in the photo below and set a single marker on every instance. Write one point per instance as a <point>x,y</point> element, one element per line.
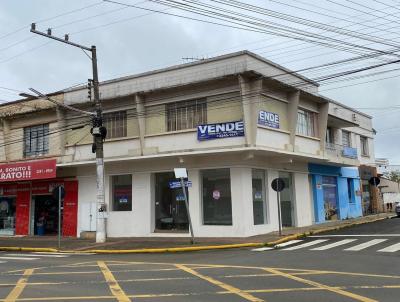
<point>235,122</point>
<point>390,192</point>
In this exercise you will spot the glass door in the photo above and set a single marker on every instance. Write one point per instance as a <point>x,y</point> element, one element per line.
<point>7,215</point>
<point>286,197</point>
<point>170,208</point>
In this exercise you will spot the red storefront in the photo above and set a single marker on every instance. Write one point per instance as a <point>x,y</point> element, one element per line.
<point>26,203</point>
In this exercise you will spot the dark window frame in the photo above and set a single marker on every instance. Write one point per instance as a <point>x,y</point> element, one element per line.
<point>364,146</point>
<point>36,140</point>
<point>115,207</point>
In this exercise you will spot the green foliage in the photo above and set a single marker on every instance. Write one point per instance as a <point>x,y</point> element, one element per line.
<point>393,176</point>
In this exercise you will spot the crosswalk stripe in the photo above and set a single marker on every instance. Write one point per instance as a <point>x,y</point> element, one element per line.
<point>291,242</point>
<point>307,244</point>
<point>391,248</point>
<point>332,245</point>
<point>17,258</point>
<point>262,249</point>
<point>37,255</point>
<point>365,245</point>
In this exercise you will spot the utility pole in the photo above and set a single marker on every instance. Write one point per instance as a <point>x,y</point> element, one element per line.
<point>98,131</point>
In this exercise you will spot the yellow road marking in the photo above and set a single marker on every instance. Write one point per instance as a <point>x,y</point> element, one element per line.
<point>272,290</point>
<point>205,266</point>
<point>225,286</point>
<point>116,290</point>
<point>320,285</point>
<point>19,287</point>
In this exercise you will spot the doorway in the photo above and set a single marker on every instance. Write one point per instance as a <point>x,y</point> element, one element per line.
<point>7,215</point>
<point>170,208</point>
<point>330,197</point>
<point>286,197</point>
<point>45,215</point>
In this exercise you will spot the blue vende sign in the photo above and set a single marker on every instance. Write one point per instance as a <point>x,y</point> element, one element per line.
<point>220,130</point>
<point>349,152</point>
<point>177,184</point>
<point>268,119</point>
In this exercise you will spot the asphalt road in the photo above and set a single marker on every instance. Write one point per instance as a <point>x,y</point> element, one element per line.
<point>356,264</point>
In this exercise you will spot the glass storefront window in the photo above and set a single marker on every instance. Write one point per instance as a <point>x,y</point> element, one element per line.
<point>330,197</point>
<point>259,206</point>
<point>121,192</point>
<point>7,215</point>
<point>217,203</point>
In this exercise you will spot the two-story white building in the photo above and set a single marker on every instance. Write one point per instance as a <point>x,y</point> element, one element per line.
<point>236,122</point>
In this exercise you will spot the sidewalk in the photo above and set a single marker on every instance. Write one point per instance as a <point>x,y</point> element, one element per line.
<point>165,244</point>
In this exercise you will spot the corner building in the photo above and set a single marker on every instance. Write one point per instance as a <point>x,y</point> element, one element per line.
<point>235,122</point>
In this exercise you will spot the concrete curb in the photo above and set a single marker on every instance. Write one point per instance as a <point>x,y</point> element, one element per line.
<point>194,248</point>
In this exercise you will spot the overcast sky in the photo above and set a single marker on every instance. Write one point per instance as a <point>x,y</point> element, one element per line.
<point>130,40</point>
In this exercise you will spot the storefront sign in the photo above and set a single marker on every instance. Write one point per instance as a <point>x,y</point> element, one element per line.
<point>220,130</point>
<point>177,184</point>
<point>41,169</point>
<point>268,119</point>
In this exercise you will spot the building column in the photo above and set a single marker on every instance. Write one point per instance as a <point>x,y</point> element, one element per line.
<point>141,112</point>
<point>322,125</point>
<point>61,124</point>
<point>6,136</point>
<point>250,90</point>
<point>293,107</point>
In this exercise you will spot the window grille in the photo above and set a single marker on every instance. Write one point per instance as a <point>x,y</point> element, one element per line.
<point>36,140</point>
<point>186,115</point>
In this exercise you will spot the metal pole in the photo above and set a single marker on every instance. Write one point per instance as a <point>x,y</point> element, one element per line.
<point>279,212</point>
<point>187,210</point>
<point>98,140</point>
<point>59,217</point>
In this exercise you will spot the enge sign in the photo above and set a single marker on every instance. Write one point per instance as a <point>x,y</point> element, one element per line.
<point>268,119</point>
<point>220,130</point>
<point>39,169</point>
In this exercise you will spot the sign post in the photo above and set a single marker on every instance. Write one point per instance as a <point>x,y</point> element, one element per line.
<point>59,193</point>
<point>181,173</point>
<point>278,185</point>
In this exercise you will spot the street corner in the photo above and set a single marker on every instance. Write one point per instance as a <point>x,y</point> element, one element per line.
<point>158,281</point>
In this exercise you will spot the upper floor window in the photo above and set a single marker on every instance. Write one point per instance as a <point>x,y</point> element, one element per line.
<point>305,123</point>
<point>364,145</point>
<point>346,138</point>
<point>330,139</point>
<point>115,122</point>
<point>36,140</point>
<point>186,115</point>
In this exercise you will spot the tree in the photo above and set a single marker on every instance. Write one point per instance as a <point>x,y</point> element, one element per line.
<point>393,176</point>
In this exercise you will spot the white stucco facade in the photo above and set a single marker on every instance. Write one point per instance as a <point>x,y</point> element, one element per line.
<point>153,120</point>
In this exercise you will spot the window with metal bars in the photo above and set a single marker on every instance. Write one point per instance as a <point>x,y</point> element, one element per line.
<point>186,115</point>
<point>115,123</point>
<point>36,140</point>
<point>346,138</point>
<point>364,145</point>
<point>305,123</point>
